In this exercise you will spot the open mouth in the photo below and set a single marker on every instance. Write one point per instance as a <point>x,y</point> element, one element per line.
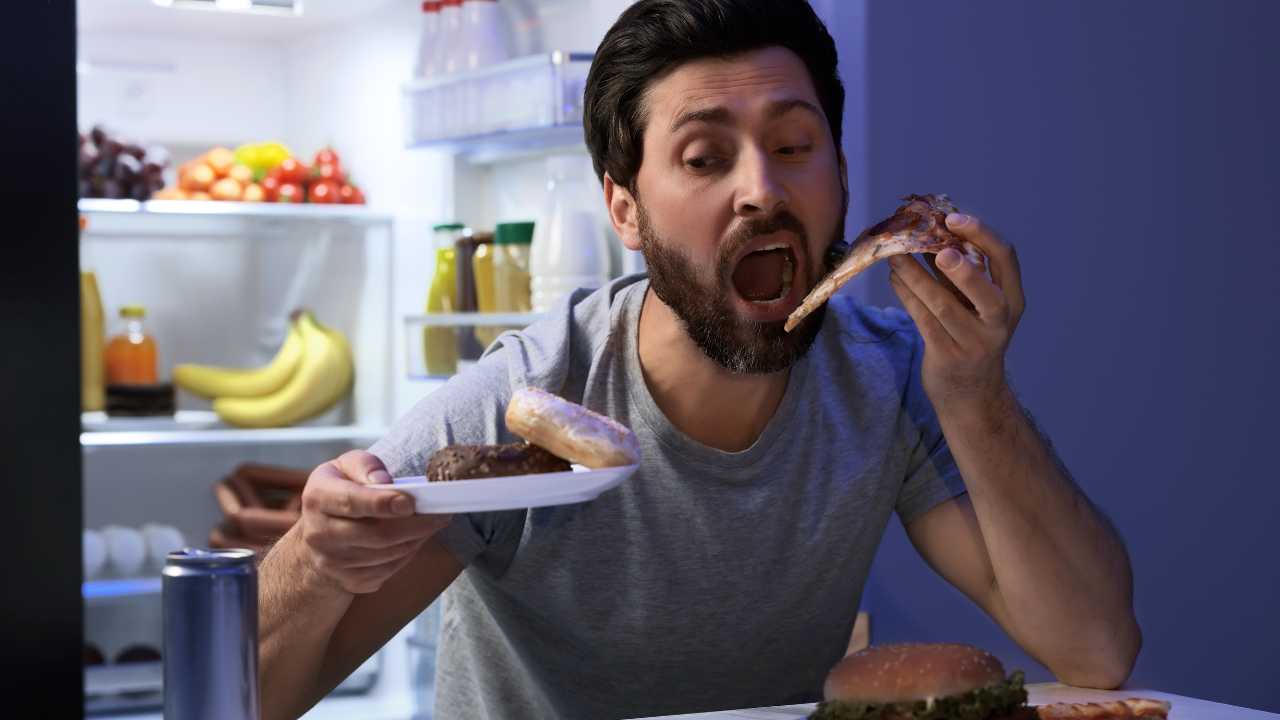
<point>764,276</point>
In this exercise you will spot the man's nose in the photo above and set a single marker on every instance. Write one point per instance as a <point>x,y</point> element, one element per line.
<point>760,192</point>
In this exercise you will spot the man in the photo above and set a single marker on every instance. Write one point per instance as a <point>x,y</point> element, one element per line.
<point>727,571</point>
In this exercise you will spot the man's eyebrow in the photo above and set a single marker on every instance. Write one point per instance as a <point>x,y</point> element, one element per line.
<point>720,115</point>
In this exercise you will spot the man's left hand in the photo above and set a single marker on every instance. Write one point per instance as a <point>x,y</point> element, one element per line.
<point>963,367</point>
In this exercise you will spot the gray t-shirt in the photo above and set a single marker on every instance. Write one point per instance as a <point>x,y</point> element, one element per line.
<point>709,579</point>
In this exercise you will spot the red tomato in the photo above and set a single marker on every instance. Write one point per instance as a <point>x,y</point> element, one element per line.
<point>290,192</point>
<point>351,195</point>
<point>323,192</point>
<point>328,156</point>
<point>271,187</point>
<point>290,170</point>
<point>326,171</point>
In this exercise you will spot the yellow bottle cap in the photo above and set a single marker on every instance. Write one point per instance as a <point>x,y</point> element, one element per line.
<point>133,311</point>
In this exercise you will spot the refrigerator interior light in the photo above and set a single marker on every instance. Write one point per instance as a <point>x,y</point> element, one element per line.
<point>265,7</point>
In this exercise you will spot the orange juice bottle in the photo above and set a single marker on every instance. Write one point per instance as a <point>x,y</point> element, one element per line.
<point>131,353</point>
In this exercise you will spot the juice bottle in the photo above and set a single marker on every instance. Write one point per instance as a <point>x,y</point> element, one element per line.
<point>131,352</point>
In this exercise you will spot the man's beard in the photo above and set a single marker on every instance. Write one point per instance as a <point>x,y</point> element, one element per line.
<point>708,316</point>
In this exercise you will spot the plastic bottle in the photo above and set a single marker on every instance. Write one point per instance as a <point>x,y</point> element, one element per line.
<point>92,338</point>
<point>482,272</point>
<point>439,343</point>
<point>428,46</point>
<point>131,352</point>
<point>484,27</point>
<point>569,250</point>
<point>511,267</point>
<point>465,248</point>
<point>453,43</point>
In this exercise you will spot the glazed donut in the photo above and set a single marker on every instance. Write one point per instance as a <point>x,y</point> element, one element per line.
<point>570,430</point>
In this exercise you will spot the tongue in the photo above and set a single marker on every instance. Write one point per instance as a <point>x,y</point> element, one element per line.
<point>759,275</point>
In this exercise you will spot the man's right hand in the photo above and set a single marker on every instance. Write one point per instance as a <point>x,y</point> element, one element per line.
<point>357,537</point>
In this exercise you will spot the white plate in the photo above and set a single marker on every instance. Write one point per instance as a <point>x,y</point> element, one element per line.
<point>515,492</point>
<point>181,420</point>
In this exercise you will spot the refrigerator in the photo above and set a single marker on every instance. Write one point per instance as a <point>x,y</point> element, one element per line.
<point>219,279</point>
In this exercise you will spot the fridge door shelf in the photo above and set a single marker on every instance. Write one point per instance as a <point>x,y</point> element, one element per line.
<point>437,346</point>
<point>516,107</point>
<point>97,592</point>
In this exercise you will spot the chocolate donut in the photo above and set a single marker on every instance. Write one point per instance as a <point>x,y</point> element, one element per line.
<point>471,462</point>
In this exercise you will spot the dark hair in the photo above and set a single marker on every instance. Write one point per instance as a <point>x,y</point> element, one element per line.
<point>652,37</point>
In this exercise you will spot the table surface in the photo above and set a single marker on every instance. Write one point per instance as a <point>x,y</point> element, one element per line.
<point>1183,708</point>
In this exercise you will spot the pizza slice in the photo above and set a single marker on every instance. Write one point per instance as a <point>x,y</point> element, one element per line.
<point>918,226</point>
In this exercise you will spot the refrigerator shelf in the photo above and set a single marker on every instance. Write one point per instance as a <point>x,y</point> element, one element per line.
<point>130,218</point>
<point>222,436</point>
<point>522,106</point>
<point>96,591</point>
<point>515,319</point>
<point>462,335</point>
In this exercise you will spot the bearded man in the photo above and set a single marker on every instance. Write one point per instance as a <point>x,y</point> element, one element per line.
<point>727,571</point>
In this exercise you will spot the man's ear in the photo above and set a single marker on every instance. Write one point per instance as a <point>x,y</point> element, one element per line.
<point>623,213</point>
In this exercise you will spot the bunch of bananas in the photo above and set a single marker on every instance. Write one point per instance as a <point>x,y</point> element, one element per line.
<point>310,373</point>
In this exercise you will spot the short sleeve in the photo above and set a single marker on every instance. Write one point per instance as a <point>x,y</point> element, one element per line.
<point>932,477</point>
<point>468,409</point>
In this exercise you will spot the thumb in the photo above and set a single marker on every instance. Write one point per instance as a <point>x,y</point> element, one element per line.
<point>364,467</point>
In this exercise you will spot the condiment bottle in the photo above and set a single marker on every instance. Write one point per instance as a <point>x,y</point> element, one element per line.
<point>511,266</point>
<point>131,352</point>
<point>482,272</point>
<point>92,339</point>
<point>439,343</point>
<point>469,348</point>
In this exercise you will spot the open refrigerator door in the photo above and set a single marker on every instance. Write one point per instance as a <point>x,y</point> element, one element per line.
<point>260,187</point>
<point>324,210</point>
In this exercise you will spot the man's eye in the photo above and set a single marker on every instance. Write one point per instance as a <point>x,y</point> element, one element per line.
<point>701,162</point>
<point>794,149</point>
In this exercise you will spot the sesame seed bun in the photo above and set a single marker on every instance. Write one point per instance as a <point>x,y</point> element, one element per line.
<point>900,673</point>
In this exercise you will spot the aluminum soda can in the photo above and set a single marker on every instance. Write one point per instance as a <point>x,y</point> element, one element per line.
<point>210,655</point>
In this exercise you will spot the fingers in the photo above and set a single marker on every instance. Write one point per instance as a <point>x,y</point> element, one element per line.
<point>356,535</point>
<point>363,467</point>
<point>332,491</point>
<point>1005,270</point>
<point>971,280</point>
<point>930,328</point>
<point>939,305</point>
<point>380,533</point>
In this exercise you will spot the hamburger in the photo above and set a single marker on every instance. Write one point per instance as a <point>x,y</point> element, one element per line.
<point>923,682</point>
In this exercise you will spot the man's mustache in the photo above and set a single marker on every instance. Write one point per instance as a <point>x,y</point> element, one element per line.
<point>749,230</point>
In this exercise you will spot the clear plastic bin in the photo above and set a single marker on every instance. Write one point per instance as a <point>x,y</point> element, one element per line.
<point>530,93</point>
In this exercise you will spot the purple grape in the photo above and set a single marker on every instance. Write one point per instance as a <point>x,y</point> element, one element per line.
<point>127,167</point>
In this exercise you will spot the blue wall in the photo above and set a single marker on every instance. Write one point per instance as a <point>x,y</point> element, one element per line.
<point>1129,149</point>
